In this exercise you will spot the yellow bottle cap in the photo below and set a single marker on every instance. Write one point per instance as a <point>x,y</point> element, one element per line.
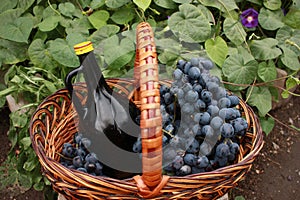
<point>83,47</point>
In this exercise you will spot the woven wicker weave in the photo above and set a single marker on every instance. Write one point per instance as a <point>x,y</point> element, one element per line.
<point>54,123</point>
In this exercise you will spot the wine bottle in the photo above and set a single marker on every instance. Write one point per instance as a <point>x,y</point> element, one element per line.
<point>106,117</point>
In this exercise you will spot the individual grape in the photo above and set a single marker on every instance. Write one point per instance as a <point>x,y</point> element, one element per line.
<point>222,161</point>
<point>204,118</point>
<point>213,110</point>
<point>168,98</point>
<point>191,96</point>
<point>234,100</point>
<point>222,150</point>
<point>77,161</point>
<point>180,64</point>
<point>193,147</point>
<point>206,96</point>
<point>234,148</point>
<point>91,157</point>
<point>184,170</point>
<point>197,117</point>
<point>85,143</point>
<point>199,105</point>
<point>170,129</point>
<point>227,130</point>
<point>202,162</point>
<point>180,93</point>
<point>197,88</point>
<point>208,131</point>
<point>77,138</point>
<point>216,123</point>
<point>163,89</point>
<point>185,79</point>
<point>207,64</point>
<point>195,61</point>
<point>239,124</point>
<point>190,159</point>
<point>224,102</point>
<point>227,113</point>
<point>187,108</point>
<point>98,169</point>
<point>177,74</point>
<point>177,162</point>
<point>194,73</point>
<point>187,67</point>
<point>205,148</point>
<point>68,150</point>
<point>187,87</point>
<point>220,93</point>
<point>90,167</point>
<point>212,87</point>
<point>201,81</point>
<point>231,157</point>
<point>80,152</point>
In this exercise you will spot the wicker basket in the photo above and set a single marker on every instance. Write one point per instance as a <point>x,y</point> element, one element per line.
<point>55,123</point>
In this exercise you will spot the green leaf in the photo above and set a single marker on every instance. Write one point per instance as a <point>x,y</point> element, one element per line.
<point>189,24</point>
<point>289,36</point>
<point>103,33</point>
<point>26,141</point>
<point>239,198</point>
<point>67,9</point>
<point>293,18</point>
<point>291,82</point>
<point>143,4</point>
<point>63,53</point>
<point>223,5</point>
<point>18,30</point>
<point>116,3</point>
<point>265,49</point>
<point>10,16</point>
<point>99,18</point>
<point>123,15</point>
<point>182,1</point>
<point>25,4</point>
<point>258,2</point>
<point>272,4</point>
<point>270,20</point>
<point>239,72</point>
<point>217,50</point>
<point>245,54</point>
<point>40,56</point>
<point>75,38</point>
<point>31,163</point>
<point>267,71</point>
<point>97,4</point>
<point>169,4</point>
<point>49,23</point>
<point>290,59</point>
<point>19,120</point>
<point>118,53</point>
<point>6,5</point>
<point>234,31</point>
<point>12,52</point>
<point>39,186</point>
<point>261,98</point>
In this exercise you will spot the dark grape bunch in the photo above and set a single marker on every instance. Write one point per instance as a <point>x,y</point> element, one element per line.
<point>201,125</point>
<point>76,156</point>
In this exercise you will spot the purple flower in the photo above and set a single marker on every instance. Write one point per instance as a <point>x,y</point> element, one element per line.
<point>249,18</point>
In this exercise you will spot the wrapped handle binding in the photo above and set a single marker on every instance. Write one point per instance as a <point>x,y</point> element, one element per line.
<point>146,81</point>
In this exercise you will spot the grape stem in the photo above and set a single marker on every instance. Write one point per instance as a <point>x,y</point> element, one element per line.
<point>283,124</point>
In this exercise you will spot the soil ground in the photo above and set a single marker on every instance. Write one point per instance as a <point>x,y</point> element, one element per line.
<point>275,174</point>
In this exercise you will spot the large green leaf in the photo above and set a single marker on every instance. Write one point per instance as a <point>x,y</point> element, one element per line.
<point>103,33</point>
<point>223,5</point>
<point>189,24</point>
<point>40,56</point>
<point>289,58</point>
<point>18,30</point>
<point>270,20</point>
<point>116,3</point>
<point>293,18</point>
<point>267,124</point>
<point>143,4</point>
<point>239,72</point>
<point>169,4</point>
<point>97,3</point>
<point>118,53</point>
<point>99,18</point>
<point>67,9</point>
<point>217,50</point>
<point>289,36</point>
<point>261,98</point>
<point>49,23</point>
<point>12,52</point>
<point>272,4</point>
<point>63,53</point>
<point>267,71</point>
<point>123,15</point>
<point>234,31</point>
<point>265,49</point>
<point>6,5</point>
<point>25,4</point>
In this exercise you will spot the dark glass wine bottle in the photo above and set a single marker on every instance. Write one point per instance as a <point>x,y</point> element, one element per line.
<point>106,117</point>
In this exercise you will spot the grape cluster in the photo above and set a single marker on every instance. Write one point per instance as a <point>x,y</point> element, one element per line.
<point>202,126</point>
<point>76,156</point>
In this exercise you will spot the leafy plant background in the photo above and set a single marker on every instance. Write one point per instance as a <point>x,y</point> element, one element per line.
<point>36,53</point>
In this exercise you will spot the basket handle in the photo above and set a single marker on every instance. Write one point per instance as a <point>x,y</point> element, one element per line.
<point>146,77</point>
